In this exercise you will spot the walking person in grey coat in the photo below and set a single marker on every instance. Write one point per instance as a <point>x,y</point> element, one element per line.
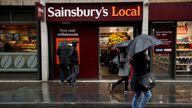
<point>74,64</point>
<point>122,60</point>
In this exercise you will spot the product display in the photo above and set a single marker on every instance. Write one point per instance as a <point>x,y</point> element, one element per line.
<point>19,38</point>
<point>184,48</point>
<point>184,56</point>
<point>162,61</point>
<point>115,38</point>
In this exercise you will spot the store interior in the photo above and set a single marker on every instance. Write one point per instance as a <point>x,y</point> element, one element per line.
<point>109,36</point>
<point>184,49</point>
<point>18,38</point>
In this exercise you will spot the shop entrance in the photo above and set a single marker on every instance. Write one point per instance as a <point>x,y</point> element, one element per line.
<point>108,36</point>
<point>163,56</point>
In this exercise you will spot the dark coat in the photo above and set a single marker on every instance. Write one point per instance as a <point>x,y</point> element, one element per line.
<point>140,64</point>
<point>64,51</point>
<point>74,56</point>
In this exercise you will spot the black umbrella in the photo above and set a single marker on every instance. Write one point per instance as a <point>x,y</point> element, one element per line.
<point>142,42</point>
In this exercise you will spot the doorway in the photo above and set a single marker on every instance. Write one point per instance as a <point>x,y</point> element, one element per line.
<point>109,36</point>
<point>163,56</point>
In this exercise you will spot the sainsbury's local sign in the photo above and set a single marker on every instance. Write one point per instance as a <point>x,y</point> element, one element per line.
<point>94,12</point>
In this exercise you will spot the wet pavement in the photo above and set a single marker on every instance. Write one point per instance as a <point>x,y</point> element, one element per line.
<point>52,94</point>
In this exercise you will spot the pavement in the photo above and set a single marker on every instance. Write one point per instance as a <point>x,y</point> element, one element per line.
<point>89,94</point>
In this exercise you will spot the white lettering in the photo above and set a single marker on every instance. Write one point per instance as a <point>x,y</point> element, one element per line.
<point>57,13</point>
<point>77,12</point>
<point>51,12</point>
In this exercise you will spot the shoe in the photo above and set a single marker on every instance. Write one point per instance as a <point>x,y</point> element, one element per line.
<point>73,84</point>
<point>110,88</point>
<point>61,82</point>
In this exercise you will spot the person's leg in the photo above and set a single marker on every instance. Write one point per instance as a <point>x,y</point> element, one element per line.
<point>125,78</point>
<point>62,69</point>
<point>144,100</point>
<point>69,74</point>
<point>76,71</point>
<point>136,98</point>
<point>117,83</point>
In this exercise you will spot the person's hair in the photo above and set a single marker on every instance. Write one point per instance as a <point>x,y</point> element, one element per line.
<point>123,49</point>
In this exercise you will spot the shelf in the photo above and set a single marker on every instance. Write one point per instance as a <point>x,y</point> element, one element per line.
<point>184,57</point>
<point>184,49</point>
<point>182,64</point>
<point>184,42</point>
<point>182,71</point>
<point>162,62</point>
<point>184,75</point>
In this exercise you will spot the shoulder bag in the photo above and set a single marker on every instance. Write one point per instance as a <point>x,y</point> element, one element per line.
<point>147,81</point>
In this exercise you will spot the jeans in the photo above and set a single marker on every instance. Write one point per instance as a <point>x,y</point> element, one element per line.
<point>64,68</point>
<point>74,73</point>
<point>139,100</point>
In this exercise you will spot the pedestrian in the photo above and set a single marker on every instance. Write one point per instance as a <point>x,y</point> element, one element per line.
<point>141,66</point>
<point>64,52</point>
<point>74,64</point>
<point>123,64</point>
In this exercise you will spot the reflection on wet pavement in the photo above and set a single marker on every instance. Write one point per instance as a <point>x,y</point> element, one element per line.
<point>89,92</point>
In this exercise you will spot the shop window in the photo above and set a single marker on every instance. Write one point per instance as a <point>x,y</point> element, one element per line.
<point>18,48</point>
<point>18,38</point>
<point>184,49</point>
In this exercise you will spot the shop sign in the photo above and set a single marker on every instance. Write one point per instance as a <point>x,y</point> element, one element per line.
<point>39,11</point>
<point>67,32</point>
<point>166,36</point>
<point>93,12</point>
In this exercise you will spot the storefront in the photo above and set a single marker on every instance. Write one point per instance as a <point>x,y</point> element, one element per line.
<point>19,43</point>
<point>97,27</point>
<point>172,23</point>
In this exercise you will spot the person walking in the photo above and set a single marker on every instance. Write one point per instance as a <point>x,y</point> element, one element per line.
<point>123,64</point>
<point>64,52</point>
<point>141,66</point>
<point>75,64</point>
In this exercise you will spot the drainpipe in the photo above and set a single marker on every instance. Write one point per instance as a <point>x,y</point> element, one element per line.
<point>145,23</point>
<point>44,47</point>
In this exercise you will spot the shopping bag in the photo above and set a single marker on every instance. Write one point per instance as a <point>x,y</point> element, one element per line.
<point>147,81</point>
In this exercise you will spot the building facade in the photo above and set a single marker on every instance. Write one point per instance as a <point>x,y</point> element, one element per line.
<point>30,34</point>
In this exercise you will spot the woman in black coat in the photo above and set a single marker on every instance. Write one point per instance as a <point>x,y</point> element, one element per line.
<point>140,63</point>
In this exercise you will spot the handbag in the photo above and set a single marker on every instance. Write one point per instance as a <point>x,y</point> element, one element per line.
<point>147,81</point>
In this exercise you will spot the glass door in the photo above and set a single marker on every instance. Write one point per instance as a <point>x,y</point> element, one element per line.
<point>163,56</point>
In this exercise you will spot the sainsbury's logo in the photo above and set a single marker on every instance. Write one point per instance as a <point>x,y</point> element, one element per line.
<point>94,13</point>
<point>77,12</point>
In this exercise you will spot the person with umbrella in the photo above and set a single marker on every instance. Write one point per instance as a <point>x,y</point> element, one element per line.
<point>137,49</point>
<point>122,60</point>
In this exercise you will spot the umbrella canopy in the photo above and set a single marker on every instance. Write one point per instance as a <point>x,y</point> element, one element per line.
<point>142,42</point>
<point>122,44</point>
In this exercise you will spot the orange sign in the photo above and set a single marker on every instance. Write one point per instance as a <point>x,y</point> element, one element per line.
<point>134,11</point>
<point>58,40</point>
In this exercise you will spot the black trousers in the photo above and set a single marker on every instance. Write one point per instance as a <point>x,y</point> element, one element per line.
<point>124,78</point>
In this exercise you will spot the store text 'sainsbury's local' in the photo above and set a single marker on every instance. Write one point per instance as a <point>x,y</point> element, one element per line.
<point>96,13</point>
